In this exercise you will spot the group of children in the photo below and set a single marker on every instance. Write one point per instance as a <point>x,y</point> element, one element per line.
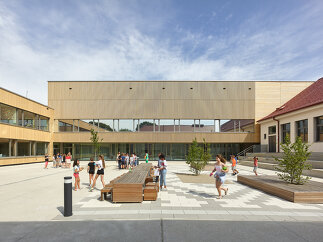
<point>62,160</point>
<point>59,160</point>
<point>234,161</point>
<point>91,167</point>
<point>220,170</point>
<point>126,162</point>
<point>160,170</point>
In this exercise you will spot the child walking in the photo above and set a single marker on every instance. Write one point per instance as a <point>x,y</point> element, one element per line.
<point>100,172</point>
<point>255,165</point>
<point>234,165</point>
<point>76,170</point>
<point>220,172</point>
<point>91,170</point>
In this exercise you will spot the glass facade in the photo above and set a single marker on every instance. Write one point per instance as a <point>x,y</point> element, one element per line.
<point>4,148</point>
<point>172,151</point>
<point>41,148</point>
<point>24,148</point>
<point>158,125</point>
<point>19,117</point>
<point>8,114</point>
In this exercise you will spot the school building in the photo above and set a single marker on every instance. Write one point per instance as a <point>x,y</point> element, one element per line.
<point>301,116</point>
<point>138,116</point>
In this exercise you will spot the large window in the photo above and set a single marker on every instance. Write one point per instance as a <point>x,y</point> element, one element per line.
<point>285,131</point>
<point>41,148</point>
<point>65,127</point>
<point>302,129</point>
<point>29,120</point>
<point>8,114</point>
<point>19,117</point>
<point>4,148</point>
<point>319,129</point>
<point>24,148</point>
<point>43,123</point>
<point>158,125</point>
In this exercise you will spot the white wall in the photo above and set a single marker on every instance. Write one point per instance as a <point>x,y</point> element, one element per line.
<point>307,113</point>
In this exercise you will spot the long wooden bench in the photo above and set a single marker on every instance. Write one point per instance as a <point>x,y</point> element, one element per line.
<point>134,186</point>
<point>130,187</point>
<point>108,188</point>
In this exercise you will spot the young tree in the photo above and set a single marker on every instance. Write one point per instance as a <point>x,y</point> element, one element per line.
<point>290,168</point>
<point>198,156</point>
<point>95,141</point>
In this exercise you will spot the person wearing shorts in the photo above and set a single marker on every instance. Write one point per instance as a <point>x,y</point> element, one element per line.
<point>100,172</point>
<point>123,161</point>
<point>76,170</point>
<point>63,161</point>
<point>46,161</point>
<point>91,170</point>
<point>220,170</point>
<point>255,165</point>
<point>68,160</point>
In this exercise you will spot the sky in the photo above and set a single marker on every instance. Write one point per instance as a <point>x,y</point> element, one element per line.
<point>42,40</point>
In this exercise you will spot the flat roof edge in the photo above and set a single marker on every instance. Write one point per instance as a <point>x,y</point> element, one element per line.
<point>25,98</point>
<point>184,81</point>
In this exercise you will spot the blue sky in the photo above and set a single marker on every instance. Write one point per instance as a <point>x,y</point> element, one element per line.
<point>43,40</point>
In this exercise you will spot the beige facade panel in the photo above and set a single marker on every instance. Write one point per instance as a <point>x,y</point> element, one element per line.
<point>271,95</point>
<point>14,132</point>
<point>148,99</point>
<point>21,160</point>
<point>156,137</point>
<point>18,101</point>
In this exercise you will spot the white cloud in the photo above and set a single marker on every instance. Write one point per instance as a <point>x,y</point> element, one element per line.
<point>132,54</point>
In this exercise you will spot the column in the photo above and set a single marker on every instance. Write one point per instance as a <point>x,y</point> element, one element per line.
<point>10,143</point>
<point>30,148</point>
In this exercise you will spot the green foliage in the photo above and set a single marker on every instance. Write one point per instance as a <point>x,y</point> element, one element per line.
<point>124,130</point>
<point>290,168</point>
<point>198,156</point>
<point>143,124</point>
<point>95,141</point>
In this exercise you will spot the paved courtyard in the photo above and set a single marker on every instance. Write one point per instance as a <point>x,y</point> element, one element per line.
<point>197,201</point>
<point>31,193</point>
<point>31,205</point>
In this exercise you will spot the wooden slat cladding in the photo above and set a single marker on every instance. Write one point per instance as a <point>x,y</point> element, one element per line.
<point>148,99</point>
<point>312,192</point>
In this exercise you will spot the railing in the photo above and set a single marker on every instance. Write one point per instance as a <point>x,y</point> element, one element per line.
<point>244,152</point>
<point>254,149</point>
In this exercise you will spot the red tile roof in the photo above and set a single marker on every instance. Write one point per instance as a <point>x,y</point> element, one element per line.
<point>310,96</point>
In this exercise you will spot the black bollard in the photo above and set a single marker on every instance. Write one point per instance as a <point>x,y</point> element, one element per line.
<point>67,196</point>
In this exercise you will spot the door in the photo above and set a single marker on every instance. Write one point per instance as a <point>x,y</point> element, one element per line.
<point>272,143</point>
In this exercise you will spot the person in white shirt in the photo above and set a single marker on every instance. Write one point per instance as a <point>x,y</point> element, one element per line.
<point>127,160</point>
<point>132,160</point>
<point>163,171</point>
<point>100,171</point>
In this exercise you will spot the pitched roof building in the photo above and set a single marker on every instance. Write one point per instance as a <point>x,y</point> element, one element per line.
<point>301,116</point>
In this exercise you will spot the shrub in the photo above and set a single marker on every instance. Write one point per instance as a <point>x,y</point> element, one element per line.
<point>198,156</point>
<point>293,163</point>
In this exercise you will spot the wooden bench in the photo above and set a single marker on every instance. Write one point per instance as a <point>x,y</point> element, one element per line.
<point>150,193</point>
<point>129,187</point>
<point>108,188</point>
